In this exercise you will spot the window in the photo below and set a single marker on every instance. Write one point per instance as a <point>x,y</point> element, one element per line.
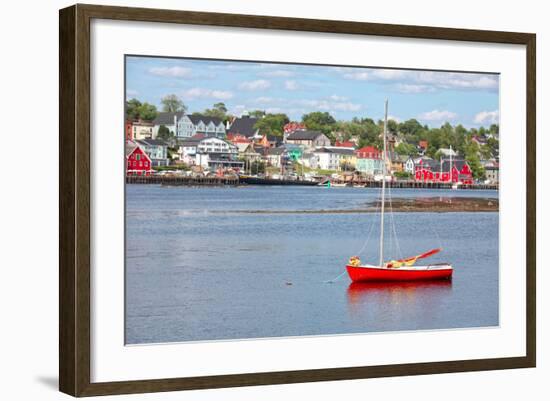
<point>140,164</point>
<point>138,157</point>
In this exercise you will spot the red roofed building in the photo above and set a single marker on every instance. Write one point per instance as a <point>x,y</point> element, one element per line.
<point>293,126</point>
<point>137,161</point>
<point>345,144</point>
<point>238,138</point>
<point>368,152</point>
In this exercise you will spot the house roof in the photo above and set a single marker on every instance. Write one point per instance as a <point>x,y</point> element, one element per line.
<point>151,142</point>
<point>130,147</point>
<point>196,118</point>
<point>167,118</point>
<point>458,163</point>
<point>190,142</point>
<point>343,151</point>
<point>304,135</point>
<point>244,126</point>
<point>276,151</point>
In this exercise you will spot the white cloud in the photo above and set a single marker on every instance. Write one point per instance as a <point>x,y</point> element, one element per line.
<point>131,92</point>
<point>258,84</point>
<point>359,76</point>
<point>425,81</point>
<point>202,93</point>
<point>337,98</point>
<point>437,115</point>
<point>454,80</point>
<point>413,88</point>
<point>389,74</point>
<point>486,117</point>
<point>328,105</point>
<point>291,85</point>
<point>277,73</point>
<point>265,100</point>
<point>171,72</point>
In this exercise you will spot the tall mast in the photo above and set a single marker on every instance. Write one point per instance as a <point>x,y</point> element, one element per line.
<point>383,184</point>
<point>451,164</point>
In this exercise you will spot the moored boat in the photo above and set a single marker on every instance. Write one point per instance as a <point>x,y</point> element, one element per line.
<point>439,271</point>
<point>401,269</point>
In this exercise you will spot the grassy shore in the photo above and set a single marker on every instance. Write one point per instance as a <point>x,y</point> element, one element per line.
<point>432,205</point>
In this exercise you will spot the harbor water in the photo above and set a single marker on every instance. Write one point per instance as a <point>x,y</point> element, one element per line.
<point>219,263</point>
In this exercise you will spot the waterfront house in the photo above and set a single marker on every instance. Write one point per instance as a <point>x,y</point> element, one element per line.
<point>492,174</point>
<point>444,171</point>
<point>141,129</point>
<point>408,165</point>
<point>369,161</point>
<point>244,126</point>
<point>214,153</point>
<point>274,156</point>
<point>308,139</point>
<point>333,158</point>
<point>187,150</point>
<point>137,161</point>
<point>156,149</point>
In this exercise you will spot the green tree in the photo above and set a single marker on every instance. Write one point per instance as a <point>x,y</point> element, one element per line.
<point>319,121</point>
<point>219,110</point>
<point>172,104</point>
<point>405,149</point>
<point>132,109</point>
<point>410,128</point>
<point>164,133</point>
<point>257,113</point>
<point>272,124</point>
<point>147,111</point>
<point>472,157</point>
<point>136,110</point>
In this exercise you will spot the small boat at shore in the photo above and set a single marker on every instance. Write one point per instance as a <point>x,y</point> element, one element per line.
<point>401,269</point>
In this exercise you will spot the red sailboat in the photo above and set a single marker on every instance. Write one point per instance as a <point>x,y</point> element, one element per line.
<point>401,269</point>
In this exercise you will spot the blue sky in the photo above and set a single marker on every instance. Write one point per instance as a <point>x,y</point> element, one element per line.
<point>470,99</point>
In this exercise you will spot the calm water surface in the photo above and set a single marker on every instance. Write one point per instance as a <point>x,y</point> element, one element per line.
<point>199,268</point>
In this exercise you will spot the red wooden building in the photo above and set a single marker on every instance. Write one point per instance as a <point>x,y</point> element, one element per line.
<point>129,132</point>
<point>137,161</point>
<point>444,171</point>
<point>368,152</point>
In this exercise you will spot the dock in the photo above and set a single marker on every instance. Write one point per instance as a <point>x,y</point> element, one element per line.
<point>181,180</point>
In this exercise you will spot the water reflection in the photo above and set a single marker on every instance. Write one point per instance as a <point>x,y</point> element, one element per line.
<point>403,293</point>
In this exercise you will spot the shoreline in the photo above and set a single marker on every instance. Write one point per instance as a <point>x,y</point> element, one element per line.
<point>401,205</point>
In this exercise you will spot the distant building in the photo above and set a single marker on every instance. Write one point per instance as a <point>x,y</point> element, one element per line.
<point>310,139</point>
<point>156,149</point>
<point>141,129</point>
<point>445,171</point>
<point>369,161</point>
<point>345,144</point>
<point>492,174</point>
<point>408,165</point>
<point>244,126</point>
<point>128,130</point>
<point>187,125</point>
<point>274,156</point>
<point>335,158</point>
<point>214,153</point>
<point>172,121</point>
<point>137,161</point>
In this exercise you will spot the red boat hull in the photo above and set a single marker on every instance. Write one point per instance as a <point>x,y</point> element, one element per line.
<point>361,274</point>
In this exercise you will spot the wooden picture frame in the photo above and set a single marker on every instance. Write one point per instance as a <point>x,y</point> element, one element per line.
<point>74,199</point>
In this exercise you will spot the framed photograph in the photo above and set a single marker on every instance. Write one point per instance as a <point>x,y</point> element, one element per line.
<point>251,200</point>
